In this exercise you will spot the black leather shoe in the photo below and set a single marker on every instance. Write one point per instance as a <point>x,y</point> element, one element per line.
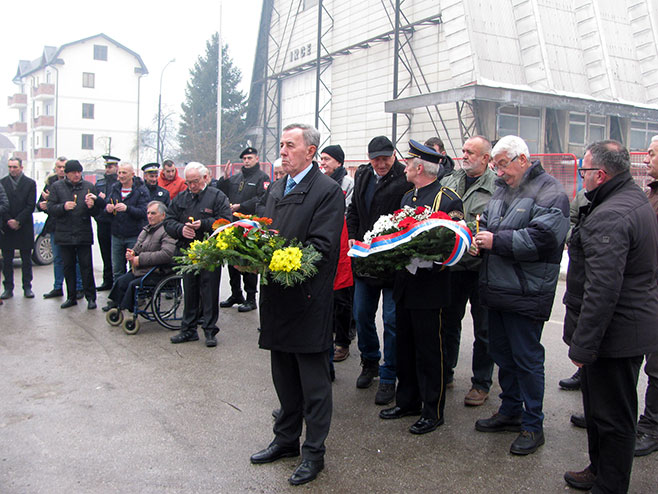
<point>110,305</point>
<point>28,293</point>
<point>91,304</point>
<point>396,413</point>
<point>231,301</point>
<point>184,336</point>
<point>424,425</point>
<point>7,294</point>
<point>80,294</point>
<point>527,442</point>
<point>385,393</point>
<point>369,371</point>
<point>306,471</point>
<point>211,341</point>
<point>105,286</point>
<point>69,302</point>
<point>571,383</point>
<point>54,293</point>
<point>249,305</point>
<point>645,444</point>
<point>579,421</point>
<point>583,480</point>
<point>499,422</point>
<point>274,452</point>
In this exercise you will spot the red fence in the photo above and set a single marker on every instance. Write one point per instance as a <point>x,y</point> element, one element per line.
<point>639,170</point>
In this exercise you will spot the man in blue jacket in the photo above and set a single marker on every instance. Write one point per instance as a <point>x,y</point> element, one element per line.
<point>522,235</point>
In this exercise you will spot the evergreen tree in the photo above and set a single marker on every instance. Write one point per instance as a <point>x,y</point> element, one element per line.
<point>198,128</point>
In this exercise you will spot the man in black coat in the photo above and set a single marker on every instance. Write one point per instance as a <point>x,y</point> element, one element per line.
<point>378,190</point>
<point>244,191</point>
<point>612,302</point>
<point>297,322</point>
<point>104,220</point>
<point>18,227</point>
<point>72,202</point>
<point>420,292</point>
<point>190,217</point>
<point>4,207</point>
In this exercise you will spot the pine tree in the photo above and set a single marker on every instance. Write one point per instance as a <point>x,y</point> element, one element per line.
<point>198,128</point>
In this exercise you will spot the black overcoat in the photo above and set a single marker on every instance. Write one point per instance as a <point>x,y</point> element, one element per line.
<point>300,319</point>
<point>72,227</point>
<point>22,200</point>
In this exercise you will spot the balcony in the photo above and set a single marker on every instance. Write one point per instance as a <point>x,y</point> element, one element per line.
<point>18,128</point>
<point>44,154</point>
<point>44,122</point>
<point>20,154</point>
<point>43,91</point>
<point>18,100</point>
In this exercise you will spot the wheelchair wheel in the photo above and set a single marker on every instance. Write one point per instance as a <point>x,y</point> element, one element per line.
<point>168,303</point>
<point>114,317</point>
<point>131,326</point>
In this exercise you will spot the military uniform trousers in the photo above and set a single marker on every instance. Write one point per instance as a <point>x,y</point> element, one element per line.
<point>421,368</point>
<point>104,233</point>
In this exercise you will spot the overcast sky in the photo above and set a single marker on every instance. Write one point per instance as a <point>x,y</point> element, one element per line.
<point>158,31</point>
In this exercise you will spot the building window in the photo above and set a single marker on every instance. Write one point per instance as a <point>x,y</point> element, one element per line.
<point>585,128</point>
<point>48,78</point>
<point>46,109</point>
<point>87,110</point>
<point>100,52</point>
<point>523,122</point>
<point>87,141</point>
<point>641,134</point>
<point>88,79</point>
<point>47,141</point>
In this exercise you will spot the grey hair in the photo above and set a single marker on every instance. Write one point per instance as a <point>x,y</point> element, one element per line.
<point>62,158</point>
<point>195,166</point>
<point>486,144</point>
<point>610,155</point>
<point>511,145</point>
<point>161,206</point>
<point>654,139</point>
<point>311,134</point>
<point>429,168</point>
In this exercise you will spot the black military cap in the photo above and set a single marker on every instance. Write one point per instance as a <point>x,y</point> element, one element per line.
<point>151,167</point>
<point>249,150</point>
<point>418,150</point>
<point>380,146</point>
<point>111,160</point>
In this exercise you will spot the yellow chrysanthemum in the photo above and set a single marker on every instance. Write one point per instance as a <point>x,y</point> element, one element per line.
<point>288,259</point>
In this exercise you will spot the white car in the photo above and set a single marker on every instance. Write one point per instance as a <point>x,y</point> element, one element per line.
<point>43,250</point>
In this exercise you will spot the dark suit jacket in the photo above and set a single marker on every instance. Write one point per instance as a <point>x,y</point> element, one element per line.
<point>22,200</point>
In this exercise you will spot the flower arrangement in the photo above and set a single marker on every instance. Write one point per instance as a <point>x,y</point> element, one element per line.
<point>250,245</point>
<point>406,234</point>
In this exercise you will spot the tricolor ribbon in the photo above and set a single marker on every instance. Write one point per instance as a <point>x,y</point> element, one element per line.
<point>463,239</point>
<point>244,223</point>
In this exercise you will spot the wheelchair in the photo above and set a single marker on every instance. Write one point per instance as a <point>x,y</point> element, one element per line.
<point>160,300</point>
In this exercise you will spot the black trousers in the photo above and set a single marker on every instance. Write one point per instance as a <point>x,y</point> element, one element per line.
<point>201,299</point>
<point>648,422</point>
<point>421,367</point>
<point>83,255</point>
<point>303,385</point>
<point>250,283</point>
<point>609,388</point>
<point>123,290</point>
<point>343,315</point>
<point>104,232</point>
<point>8,268</point>
<point>464,288</point>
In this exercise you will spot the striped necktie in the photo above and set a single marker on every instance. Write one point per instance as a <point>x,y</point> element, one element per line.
<point>289,186</point>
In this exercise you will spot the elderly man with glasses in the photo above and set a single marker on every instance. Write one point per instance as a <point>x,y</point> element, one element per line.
<point>522,234</point>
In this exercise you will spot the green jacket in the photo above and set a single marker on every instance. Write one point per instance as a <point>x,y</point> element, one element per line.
<point>475,199</point>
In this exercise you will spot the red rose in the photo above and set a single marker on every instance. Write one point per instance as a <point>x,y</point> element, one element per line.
<point>420,210</point>
<point>440,215</point>
<point>406,223</point>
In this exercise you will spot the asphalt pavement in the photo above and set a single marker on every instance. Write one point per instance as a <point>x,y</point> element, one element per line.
<point>85,408</point>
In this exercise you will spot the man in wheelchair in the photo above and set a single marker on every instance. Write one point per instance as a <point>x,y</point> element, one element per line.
<point>154,247</point>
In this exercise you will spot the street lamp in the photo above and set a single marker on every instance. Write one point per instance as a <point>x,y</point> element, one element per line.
<point>158,150</point>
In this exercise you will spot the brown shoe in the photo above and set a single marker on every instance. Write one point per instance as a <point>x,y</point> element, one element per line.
<point>475,397</point>
<point>580,480</point>
<point>341,353</point>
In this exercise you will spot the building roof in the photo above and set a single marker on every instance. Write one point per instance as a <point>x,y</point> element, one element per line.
<point>5,142</point>
<point>51,53</point>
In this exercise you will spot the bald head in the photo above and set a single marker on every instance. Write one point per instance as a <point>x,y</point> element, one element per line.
<point>125,174</point>
<point>477,151</point>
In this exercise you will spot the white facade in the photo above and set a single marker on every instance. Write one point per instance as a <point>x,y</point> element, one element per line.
<point>81,101</point>
<point>560,73</point>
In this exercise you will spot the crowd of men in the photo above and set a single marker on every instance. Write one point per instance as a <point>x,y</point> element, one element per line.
<point>509,277</point>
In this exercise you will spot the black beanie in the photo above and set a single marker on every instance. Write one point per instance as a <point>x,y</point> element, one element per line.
<point>72,166</point>
<point>336,152</point>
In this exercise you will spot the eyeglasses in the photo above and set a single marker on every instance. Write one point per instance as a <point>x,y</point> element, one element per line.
<point>581,171</point>
<point>193,182</point>
<point>497,166</point>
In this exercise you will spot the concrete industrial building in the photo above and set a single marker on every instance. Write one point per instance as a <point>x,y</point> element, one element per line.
<point>80,100</point>
<point>560,73</point>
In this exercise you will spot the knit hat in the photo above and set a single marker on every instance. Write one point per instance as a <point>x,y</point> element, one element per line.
<point>72,166</point>
<point>336,152</point>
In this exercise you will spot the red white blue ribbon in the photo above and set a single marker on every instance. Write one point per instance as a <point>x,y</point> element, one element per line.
<point>463,239</point>
<point>244,223</point>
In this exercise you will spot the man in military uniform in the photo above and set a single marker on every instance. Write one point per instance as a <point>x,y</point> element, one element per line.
<point>104,219</point>
<point>244,191</point>
<point>157,193</point>
<point>420,292</point>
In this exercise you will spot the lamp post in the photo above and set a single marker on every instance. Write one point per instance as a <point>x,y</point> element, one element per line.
<point>158,150</point>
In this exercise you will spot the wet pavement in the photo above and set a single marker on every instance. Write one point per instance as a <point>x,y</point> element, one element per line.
<point>86,408</point>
